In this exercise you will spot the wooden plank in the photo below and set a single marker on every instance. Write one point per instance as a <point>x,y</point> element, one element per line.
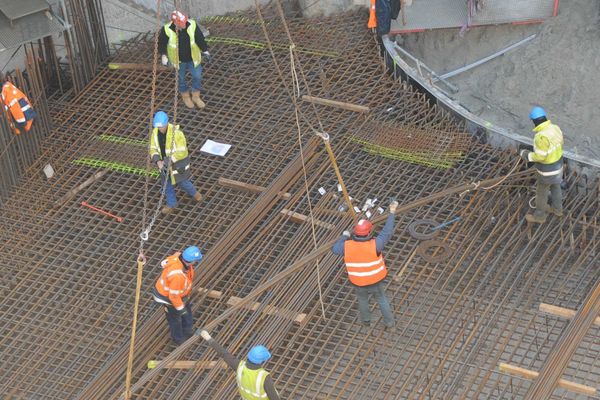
<point>337,104</point>
<point>528,374</point>
<point>71,193</point>
<point>213,294</point>
<point>136,67</point>
<point>561,312</point>
<point>188,364</point>
<point>301,218</point>
<point>269,310</point>
<point>230,183</point>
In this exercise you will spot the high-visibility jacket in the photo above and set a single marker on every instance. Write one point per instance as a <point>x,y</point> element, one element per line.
<point>372,16</point>
<point>251,382</point>
<point>547,149</point>
<point>172,45</point>
<point>175,150</point>
<point>19,107</point>
<point>175,281</point>
<point>363,264</point>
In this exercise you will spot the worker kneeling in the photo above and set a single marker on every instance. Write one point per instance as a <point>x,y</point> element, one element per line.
<point>365,265</point>
<point>18,105</point>
<point>254,382</point>
<point>172,288</point>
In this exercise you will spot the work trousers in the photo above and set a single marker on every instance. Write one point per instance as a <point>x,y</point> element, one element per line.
<point>186,185</point>
<point>181,327</point>
<point>196,76</point>
<point>378,291</point>
<point>541,197</point>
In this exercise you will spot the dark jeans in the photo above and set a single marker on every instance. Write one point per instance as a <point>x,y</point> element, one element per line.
<point>181,327</point>
<point>377,290</point>
<point>541,197</point>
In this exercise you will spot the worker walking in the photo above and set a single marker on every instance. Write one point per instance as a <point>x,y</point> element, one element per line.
<point>172,288</point>
<point>547,156</point>
<point>168,149</point>
<point>179,43</point>
<point>365,265</point>
<point>254,382</point>
<point>18,105</point>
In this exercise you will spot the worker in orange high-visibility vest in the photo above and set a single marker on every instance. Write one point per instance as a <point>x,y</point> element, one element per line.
<point>172,288</point>
<point>365,265</point>
<point>17,104</point>
<point>372,16</point>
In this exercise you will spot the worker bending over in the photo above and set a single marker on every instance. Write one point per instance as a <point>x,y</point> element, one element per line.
<point>365,265</point>
<point>17,104</point>
<point>254,382</point>
<point>179,43</point>
<point>547,156</point>
<point>172,288</point>
<point>168,149</point>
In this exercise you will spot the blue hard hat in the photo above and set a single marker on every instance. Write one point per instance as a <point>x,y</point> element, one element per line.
<point>258,354</point>
<point>192,254</point>
<point>161,119</point>
<point>537,112</point>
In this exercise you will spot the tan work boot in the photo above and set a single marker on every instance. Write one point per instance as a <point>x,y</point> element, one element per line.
<point>166,210</point>
<point>556,212</point>
<point>198,197</point>
<point>535,219</point>
<point>197,100</point>
<point>185,96</point>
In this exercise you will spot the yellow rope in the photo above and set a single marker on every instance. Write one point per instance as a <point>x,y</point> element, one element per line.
<point>141,261</point>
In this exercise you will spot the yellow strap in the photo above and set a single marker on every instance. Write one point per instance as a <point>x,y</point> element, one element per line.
<point>141,261</point>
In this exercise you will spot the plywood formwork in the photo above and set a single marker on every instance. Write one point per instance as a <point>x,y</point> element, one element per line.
<point>69,274</point>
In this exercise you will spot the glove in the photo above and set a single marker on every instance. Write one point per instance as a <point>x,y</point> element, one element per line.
<point>206,55</point>
<point>164,60</point>
<point>205,335</point>
<point>393,206</point>
<point>525,154</point>
<point>346,234</point>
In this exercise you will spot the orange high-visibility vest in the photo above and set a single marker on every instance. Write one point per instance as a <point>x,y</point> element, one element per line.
<point>19,106</point>
<point>363,265</point>
<point>372,17</point>
<point>175,282</point>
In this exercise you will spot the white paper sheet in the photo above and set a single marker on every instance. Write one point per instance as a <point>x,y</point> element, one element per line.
<point>218,149</point>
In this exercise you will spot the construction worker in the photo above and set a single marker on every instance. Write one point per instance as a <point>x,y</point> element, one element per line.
<point>547,156</point>
<point>179,43</point>
<point>365,265</point>
<point>172,288</point>
<point>254,382</point>
<point>168,150</point>
<point>19,107</point>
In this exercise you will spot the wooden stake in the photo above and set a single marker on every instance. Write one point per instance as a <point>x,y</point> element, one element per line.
<point>562,312</point>
<point>136,67</point>
<point>528,374</point>
<point>269,310</point>
<point>71,193</point>
<point>230,183</point>
<point>301,218</point>
<point>188,364</point>
<point>338,104</point>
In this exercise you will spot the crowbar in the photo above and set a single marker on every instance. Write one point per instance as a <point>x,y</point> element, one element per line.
<point>101,211</point>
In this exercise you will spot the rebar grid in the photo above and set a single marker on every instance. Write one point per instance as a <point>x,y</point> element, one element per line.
<point>65,329</point>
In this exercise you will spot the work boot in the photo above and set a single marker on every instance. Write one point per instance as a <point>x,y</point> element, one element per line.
<point>166,210</point>
<point>185,96</point>
<point>197,100</point>
<point>198,197</point>
<point>535,219</point>
<point>556,212</point>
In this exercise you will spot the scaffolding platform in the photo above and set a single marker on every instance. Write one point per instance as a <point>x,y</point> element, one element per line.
<point>424,15</point>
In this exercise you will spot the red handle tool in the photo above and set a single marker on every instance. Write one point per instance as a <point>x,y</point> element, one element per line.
<point>101,211</point>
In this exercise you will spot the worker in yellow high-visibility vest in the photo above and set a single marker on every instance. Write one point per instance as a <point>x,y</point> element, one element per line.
<point>254,382</point>
<point>547,155</point>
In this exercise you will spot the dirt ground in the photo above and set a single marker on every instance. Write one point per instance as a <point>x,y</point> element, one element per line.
<point>559,70</point>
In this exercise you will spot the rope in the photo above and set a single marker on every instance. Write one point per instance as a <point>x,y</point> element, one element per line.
<point>141,261</point>
<point>476,184</point>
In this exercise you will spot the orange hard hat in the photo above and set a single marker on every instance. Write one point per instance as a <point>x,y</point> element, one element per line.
<point>363,227</point>
<point>179,18</point>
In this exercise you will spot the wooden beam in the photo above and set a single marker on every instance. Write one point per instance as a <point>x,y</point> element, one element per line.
<point>71,193</point>
<point>561,312</point>
<point>185,364</point>
<point>230,183</point>
<point>136,67</point>
<point>269,310</point>
<point>301,218</point>
<point>528,374</point>
<point>213,294</point>
<point>338,104</point>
